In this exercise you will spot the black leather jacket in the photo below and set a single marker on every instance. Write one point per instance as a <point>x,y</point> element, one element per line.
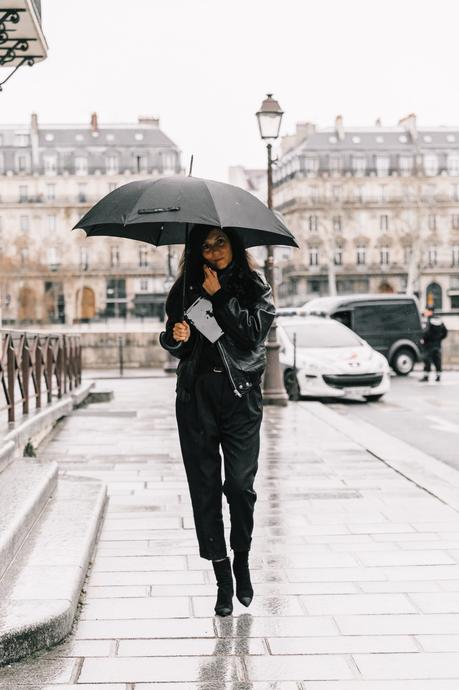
<point>245,311</point>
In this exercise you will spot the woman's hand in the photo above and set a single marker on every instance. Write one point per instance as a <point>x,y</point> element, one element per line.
<point>211,283</point>
<point>181,332</point>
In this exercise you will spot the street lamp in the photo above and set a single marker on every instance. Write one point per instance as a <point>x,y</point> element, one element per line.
<point>269,121</point>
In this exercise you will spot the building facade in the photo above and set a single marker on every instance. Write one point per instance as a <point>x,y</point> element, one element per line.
<point>375,209</point>
<point>50,175</point>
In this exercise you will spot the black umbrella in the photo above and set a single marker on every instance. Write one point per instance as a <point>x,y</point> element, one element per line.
<point>159,211</point>
<point>162,212</point>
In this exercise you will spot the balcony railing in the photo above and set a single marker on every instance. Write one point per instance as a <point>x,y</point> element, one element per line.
<point>34,366</point>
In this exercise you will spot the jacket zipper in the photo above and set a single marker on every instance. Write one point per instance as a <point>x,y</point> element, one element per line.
<point>225,361</point>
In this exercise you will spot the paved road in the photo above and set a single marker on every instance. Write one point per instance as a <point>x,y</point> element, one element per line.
<point>424,415</point>
<point>355,567</point>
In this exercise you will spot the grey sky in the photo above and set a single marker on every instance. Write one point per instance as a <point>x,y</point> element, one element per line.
<point>204,66</point>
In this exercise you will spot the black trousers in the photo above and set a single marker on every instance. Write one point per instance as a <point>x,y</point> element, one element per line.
<point>432,356</point>
<point>215,418</point>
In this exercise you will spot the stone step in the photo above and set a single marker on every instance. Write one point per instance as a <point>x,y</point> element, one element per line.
<point>39,592</point>
<point>25,487</point>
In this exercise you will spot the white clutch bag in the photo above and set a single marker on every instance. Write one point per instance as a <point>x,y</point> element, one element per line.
<point>201,315</point>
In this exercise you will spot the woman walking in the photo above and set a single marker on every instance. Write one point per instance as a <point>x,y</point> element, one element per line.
<point>219,400</point>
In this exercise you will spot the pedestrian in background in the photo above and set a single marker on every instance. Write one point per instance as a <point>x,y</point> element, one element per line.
<point>434,333</point>
<point>219,400</point>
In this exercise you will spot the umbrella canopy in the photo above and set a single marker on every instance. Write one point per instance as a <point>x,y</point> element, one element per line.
<point>162,211</point>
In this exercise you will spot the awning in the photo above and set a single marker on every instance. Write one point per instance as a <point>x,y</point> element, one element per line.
<point>21,36</point>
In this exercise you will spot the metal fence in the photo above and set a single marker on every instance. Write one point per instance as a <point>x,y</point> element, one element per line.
<point>36,367</point>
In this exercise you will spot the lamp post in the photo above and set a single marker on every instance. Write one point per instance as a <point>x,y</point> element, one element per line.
<point>269,120</point>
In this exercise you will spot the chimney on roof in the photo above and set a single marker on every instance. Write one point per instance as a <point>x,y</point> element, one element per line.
<point>339,127</point>
<point>304,131</point>
<point>148,120</point>
<point>34,122</point>
<point>409,123</point>
<point>94,123</point>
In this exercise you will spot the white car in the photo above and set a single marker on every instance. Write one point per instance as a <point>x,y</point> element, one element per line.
<point>330,360</point>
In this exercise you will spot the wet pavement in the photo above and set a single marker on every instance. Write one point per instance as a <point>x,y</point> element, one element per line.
<point>355,568</point>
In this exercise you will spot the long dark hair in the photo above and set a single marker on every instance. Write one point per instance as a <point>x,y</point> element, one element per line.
<point>243,263</point>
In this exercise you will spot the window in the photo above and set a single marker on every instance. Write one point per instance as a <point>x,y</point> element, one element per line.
<point>403,138</point>
<point>111,164</point>
<point>81,165</point>
<point>380,318</point>
<point>338,258</point>
<point>23,193</point>
<point>52,257</point>
<point>116,302</point>
<point>22,163</point>
<point>431,164</point>
<point>356,140</point>
<point>405,164</point>
<point>138,136</point>
<point>312,223</point>
<point>143,257</point>
<point>82,192</point>
<point>50,192</point>
<point>335,164</point>
<point>336,221</point>
<point>384,256</point>
<point>141,163</point>
<point>314,257</point>
<point>455,221</point>
<point>24,223</point>
<point>432,256</point>
<point>432,221</point>
<point>49,137</point>
<point>84,259</point>
<point>452,163</point>
<point>383,223</point>
<point>114,256</point>
<point>382,165</point>
<point>144,284</point>
<point>379,139</point>
<point>52,223</point>
<point>322,333</point>
<point>429,191</point>
<point>450,138</point>
<point>427,138</point>
<point>455,255</point>
<point>311,165</point>
<point>21,140</point>
<point>50,164</point>
<point>359,165</point>
<point>454,301</point>
<point>455,192</point>
<point>361,255</point>
<point>336,193</point>
<point>333,140</point>
<point>2,163</point>
<point>24,255</point>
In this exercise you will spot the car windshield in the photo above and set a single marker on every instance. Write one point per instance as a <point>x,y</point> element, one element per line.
<point>322,334</point>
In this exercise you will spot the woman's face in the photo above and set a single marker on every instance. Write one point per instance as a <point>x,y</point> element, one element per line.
<point>216,249</point>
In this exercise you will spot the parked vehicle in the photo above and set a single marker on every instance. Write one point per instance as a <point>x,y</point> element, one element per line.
<point>391,324</point>
<point>322,358</point>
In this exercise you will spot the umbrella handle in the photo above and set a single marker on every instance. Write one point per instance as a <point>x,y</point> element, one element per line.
<point>187,228</point>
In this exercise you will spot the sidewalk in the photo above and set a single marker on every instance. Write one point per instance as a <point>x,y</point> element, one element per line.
<point>355,567</point>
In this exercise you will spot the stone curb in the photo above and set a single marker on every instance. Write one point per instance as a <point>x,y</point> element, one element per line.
<point>422,469</point>
<point>39,623</point>
<point>37,426</point>
<point>23,516</point>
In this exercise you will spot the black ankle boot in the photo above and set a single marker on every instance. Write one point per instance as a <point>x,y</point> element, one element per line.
<point>222,570</point>
<point>244,590</point>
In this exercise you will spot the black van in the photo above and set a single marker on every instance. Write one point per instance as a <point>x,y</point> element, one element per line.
<point>391,324</point>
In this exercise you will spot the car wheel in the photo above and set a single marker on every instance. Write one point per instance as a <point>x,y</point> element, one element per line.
<point>403,361</point>
<point>291,385</point>
<point>373,398</point>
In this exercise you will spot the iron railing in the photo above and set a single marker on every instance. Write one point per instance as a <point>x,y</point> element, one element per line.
<point>34,366</point>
